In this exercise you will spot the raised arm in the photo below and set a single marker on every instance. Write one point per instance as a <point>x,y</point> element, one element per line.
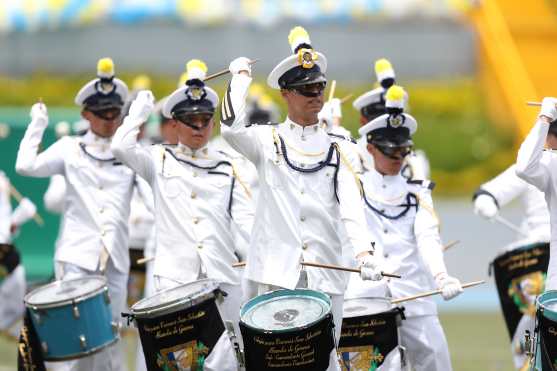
<point>233,115</point>
<point>528,163</point>
<point>124,144</point>
<point>29,162</point>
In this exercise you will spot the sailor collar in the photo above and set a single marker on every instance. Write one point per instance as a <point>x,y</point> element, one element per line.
<point>296,131</point>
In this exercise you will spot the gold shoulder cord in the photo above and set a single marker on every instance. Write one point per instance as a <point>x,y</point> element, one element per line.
<point>237,176</point>
<point>430,209</point>
<point>347,164</point>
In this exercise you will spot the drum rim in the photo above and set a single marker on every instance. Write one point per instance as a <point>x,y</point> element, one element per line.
<point>521,247</point>
<point>60,303</point>
<point>178,304</point>
<point>543,307</point>
<point>379,298</point>
<point>275,292</point>
<point>83,354</point>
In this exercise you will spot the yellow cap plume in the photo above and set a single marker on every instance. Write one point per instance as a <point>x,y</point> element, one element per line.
<point>382,65</point>
<point>105,67</point>
<point>141,82</point>
<point>395,93</point>
<point>196,63</point>
<point>256,90</point>
<point>298,35</point>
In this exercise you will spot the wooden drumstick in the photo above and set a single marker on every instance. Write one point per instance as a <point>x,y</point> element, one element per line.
<point>450,244</point>
<point>145,260</point>
<point>18,197</point>
<point>328,266</point>
<point>434,292</point>
<point>538,104</point>
<point>346,98</point>
<point>224,72</point>
<point>332,91</point>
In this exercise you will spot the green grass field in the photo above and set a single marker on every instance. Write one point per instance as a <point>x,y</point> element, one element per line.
<point>478,342</point>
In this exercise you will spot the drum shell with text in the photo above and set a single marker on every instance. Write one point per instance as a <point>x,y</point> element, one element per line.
<point>545,357</point>
<point>180,326</point>
<point>287,330</point>
<point>370,336</point>
<point>72,318</point>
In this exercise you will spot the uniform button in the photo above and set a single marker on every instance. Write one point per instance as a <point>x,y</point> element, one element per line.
<point>384,186</point>
<point>385,230</point>
<point>101,210</point>
<point>103,232</point>
<point>193,195</point>
<point>194,174</point>
<point>195,220</point>
<point>304,246</point>
<point>382,210</point>
<point>302,191</point>
<point>101,187</point>
<point>200,246</point>
<point>303,218</point>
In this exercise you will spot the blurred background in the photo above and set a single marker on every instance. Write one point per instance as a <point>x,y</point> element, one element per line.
<point>468,66</point>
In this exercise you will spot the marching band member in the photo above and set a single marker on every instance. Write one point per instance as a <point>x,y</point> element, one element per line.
<point>12,272</point>
<point>94,239</point>
<point>535,166</point>
<point>372,105</point>
<point>198,198</point>
<point>306,185</point>
<point>403,212</point>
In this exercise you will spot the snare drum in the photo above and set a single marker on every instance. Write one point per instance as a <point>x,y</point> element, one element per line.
<point>72,318</point>
<point>287,330</point>
<point>179,327</point>
<point>369,339</point>
<point>546,332</point>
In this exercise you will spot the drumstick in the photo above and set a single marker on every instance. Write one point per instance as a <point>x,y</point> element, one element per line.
<point>145,260</point>
<point>327,266</point>
<point>434,292</point>
<point>534,103</point>
<point>332,91</point>
<point>450,244</point>
<point>509,225</point>
<point>346,98</point>
<point>224,72</point>
<point>18,197</point>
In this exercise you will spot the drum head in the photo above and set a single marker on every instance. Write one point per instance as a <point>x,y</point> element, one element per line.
<point>175,296</point>
<point>365,306</point>
<point>548,303</point>
<point>66,291</point>
<point>284,310</point>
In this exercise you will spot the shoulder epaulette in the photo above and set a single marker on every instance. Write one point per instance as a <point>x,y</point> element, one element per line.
<point>350,139</point>
<point>424,183</point>
<point>263,124</point>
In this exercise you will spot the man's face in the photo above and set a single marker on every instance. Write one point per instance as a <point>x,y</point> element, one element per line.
<point>306,98</point>
<point>103,123</point>
<point>551,141</point>
<point>391,164</point>
<point>169,131</point>
<point>194,130</point>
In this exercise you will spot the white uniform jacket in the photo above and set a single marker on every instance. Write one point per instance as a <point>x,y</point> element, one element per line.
<point>402,212</point>
<point>507,186</point>
<point>98,193</point>
<point>299,212</point>
<point>197,199</point>
<point>538,167</point>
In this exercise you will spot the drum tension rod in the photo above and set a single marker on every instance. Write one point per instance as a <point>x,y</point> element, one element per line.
<point>83,342</point>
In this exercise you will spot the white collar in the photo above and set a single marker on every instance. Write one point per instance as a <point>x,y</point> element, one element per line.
<point>202,152</point>
<point>298,131</point>
<point>91,138</point>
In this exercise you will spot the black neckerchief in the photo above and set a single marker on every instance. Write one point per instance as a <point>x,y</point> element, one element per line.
<point>83,147</point>
<point>411,201</point>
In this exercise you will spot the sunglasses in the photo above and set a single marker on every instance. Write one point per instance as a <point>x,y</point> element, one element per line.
<point>310,90</point>
<point>395,153</point>
<point>195,121</point>
<point>109,114</point>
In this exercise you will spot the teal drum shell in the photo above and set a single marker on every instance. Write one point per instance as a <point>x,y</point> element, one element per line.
<point>302,308</point>
<point>546,313</point>
<point>72,318</point>
<point>547,303</point>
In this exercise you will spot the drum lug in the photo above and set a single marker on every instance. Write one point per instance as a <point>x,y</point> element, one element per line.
<point>75,311</point>
<point>106,296</point>
<point>83,342</point>
<point>232,335</point>
<point>115,327</point>
<point>44,347</point>
<point>528,344</point>
<point>37,316</point>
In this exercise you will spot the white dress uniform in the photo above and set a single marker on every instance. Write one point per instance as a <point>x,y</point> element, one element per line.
<point>94,238</point>
<point>12,285</point>
<point>536,166</point>
<point>401,212</point>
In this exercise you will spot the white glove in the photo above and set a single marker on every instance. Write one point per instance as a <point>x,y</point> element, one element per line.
<point>142,106</point>
<point>24,212</point>
<point>450,286</point>
<point>369,269</point>
<point>336,109</point>
<point>485,206</point>
<point>549,108</point>
<point>39,114</point>
<point>240,64</point>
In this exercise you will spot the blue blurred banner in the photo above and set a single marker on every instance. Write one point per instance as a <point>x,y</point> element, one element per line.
<point>33,15</point>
